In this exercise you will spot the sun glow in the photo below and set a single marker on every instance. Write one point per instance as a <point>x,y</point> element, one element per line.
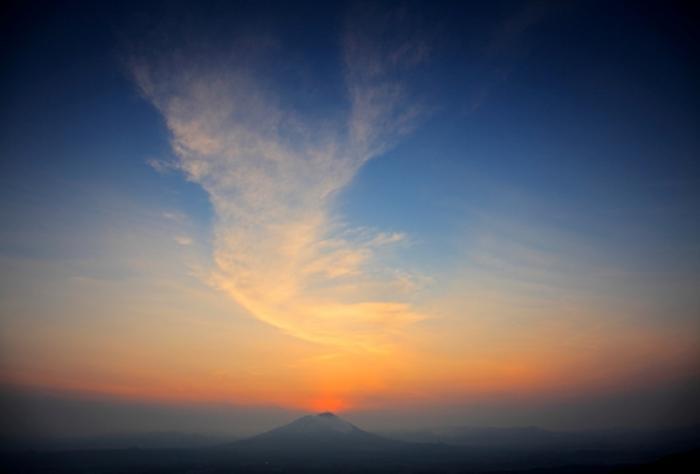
<point>329,404</point>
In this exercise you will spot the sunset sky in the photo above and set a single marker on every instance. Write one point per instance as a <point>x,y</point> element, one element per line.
<point>446,212</point>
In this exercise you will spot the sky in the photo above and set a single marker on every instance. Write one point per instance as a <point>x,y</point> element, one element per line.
<point>409,213</point>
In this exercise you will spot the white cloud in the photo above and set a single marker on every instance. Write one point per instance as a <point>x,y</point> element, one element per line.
<point>271,175</point>
<point>183,240</point>
<point>174,216</point>
<point>161,166</point>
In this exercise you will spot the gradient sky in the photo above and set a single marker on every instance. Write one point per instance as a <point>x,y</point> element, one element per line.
<point>480,214</point>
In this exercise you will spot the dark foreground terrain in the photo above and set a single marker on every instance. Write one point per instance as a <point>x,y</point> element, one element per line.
<point>409,460</point>
<point>326,443</point>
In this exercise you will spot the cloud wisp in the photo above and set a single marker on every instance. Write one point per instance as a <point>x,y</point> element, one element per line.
<point>272,172</point>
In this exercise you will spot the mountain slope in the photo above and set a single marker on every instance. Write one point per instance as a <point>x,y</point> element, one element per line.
<point>322,432</point>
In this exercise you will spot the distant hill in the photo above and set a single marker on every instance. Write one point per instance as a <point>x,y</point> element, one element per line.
<point>147,440</point>
<point>325,443</point>
<point>324,432</point>
<point>520,437</point>
<point>534,438</point>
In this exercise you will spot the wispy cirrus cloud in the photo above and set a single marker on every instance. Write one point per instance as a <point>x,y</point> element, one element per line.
<point>272,173</point>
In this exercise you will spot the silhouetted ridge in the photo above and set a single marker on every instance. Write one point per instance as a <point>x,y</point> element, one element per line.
<point>324,431</point>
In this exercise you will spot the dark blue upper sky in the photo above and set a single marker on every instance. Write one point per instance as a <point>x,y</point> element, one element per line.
<point>588,107</point>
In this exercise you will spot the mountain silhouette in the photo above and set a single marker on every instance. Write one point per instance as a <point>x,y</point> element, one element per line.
<point>314,433</point>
